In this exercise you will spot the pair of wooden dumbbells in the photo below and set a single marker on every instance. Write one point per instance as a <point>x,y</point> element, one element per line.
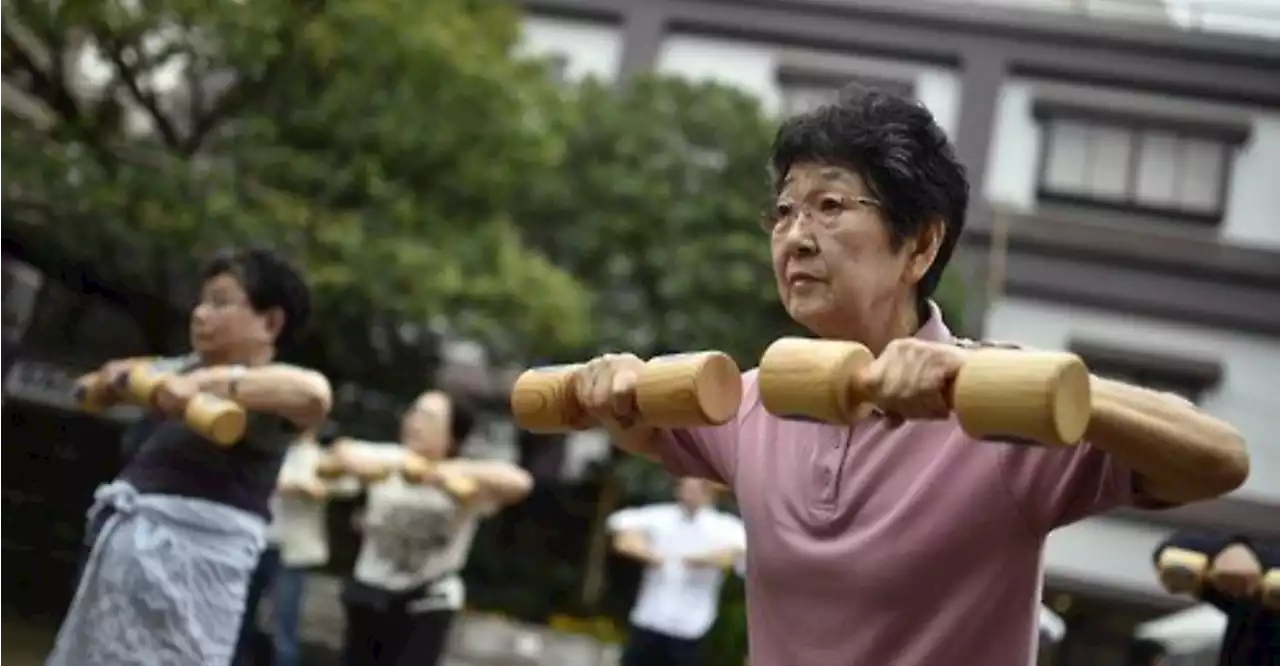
<point>414,469</point>
<point>1040,397</point>
<point>216,419</point>
<point>1187,572</point>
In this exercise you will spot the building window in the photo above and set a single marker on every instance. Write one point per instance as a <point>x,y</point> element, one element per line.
<point>1159,166</point>
<point>1190,378</point>
<point>804,90</point>
<point>558,67</point>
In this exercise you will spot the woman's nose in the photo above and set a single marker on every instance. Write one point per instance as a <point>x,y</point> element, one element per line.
<point>799,240</point>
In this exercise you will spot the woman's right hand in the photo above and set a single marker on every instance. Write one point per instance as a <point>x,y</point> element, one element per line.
<point>112,375</point>
<point>606,388</point>
<point>1236,572</point>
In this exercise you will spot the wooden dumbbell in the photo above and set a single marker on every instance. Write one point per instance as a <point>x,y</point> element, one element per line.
<point>1040,397</point>
<point>683,390</point>
<point>1271,589</point>
<point>330,467</point>
<point>214,418</point>
<point>93,393</point>
<point>416,468</point>
<point>1182,571</point>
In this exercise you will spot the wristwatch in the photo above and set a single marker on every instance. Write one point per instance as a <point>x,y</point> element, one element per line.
<point>235,374</point>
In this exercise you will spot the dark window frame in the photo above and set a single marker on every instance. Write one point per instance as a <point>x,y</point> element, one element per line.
<point>1189,377</point>
<point>1229,136</point>
<point>558,67</point>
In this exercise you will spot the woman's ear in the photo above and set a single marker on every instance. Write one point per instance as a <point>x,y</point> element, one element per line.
<point>275,321</point>
<point>924,248</point>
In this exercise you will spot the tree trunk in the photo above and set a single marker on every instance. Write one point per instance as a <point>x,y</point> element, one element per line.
<point>593,579</point>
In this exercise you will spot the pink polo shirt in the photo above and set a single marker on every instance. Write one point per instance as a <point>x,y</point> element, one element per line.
<point>870,546</point>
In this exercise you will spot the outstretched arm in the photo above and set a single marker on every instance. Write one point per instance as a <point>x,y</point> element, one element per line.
<point>721,558</point>
<point>1179,453</point>
<point>630,529</point>
<point>632,544</point>
<point>498,481</point>
<point>302,396</point>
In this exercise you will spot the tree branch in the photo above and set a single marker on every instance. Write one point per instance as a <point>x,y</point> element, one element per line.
<point>43,84</point>
<point>129,77</point>
<point>247,88</point>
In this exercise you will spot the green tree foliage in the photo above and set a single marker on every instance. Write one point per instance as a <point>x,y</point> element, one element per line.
<point>659,209</point>
<point>382,142</point>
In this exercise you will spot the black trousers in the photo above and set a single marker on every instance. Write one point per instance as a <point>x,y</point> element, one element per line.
<point>650,648</point>
<point>394,637</point>
<point>247,647</point>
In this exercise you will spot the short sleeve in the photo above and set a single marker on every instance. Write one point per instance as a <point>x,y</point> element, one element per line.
<point>710,452</point>
<point>1059,486</point>
<point>641,518</point>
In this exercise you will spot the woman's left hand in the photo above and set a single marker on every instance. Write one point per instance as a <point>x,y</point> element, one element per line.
<point>174,394</point>
<point>417,469</point>
<point>911,379</point>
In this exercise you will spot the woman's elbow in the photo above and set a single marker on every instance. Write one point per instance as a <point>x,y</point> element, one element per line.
<point>315,400</point>
<point>516,485</point>
<point>1231,464</point>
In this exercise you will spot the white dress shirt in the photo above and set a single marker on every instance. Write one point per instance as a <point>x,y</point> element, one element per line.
<point>674,599</point>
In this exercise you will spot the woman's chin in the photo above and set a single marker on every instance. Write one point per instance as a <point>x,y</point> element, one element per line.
<point>809,311</point>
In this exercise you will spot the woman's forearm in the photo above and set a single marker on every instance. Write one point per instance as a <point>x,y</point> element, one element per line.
<point>1180,453</point>
<point>302,396</point>
<point>502,481</point>
<point>725,558</point>
<point>633,545</point>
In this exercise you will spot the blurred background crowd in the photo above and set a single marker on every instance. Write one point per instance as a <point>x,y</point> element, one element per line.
<point>474,187</point>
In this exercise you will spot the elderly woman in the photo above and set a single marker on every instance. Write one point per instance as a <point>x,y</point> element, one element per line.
<point>898,540</point>
<point>175,538</point>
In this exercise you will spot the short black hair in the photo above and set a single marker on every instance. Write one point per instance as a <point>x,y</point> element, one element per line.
<point>898,149</point>
<point>269,280</point>
<point>462,421</point>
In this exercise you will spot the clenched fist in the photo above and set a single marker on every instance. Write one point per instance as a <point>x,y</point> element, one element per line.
<point>174,394</point>
<point>1236,571</point>
<point>606,389</point>
<point>912,378</point>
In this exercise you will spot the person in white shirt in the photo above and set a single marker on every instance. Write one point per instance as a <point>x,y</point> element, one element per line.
<point>686,548</point>
<point>417,530</point>
<point>300,534</point>
<point>298,541</point>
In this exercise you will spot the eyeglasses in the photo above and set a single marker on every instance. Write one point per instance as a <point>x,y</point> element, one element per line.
<point>219,302</point>
<point>825,211</point>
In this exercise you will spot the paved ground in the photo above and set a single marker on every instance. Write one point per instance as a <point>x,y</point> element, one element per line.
<point>28,641</point>
<point>477,640</point>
